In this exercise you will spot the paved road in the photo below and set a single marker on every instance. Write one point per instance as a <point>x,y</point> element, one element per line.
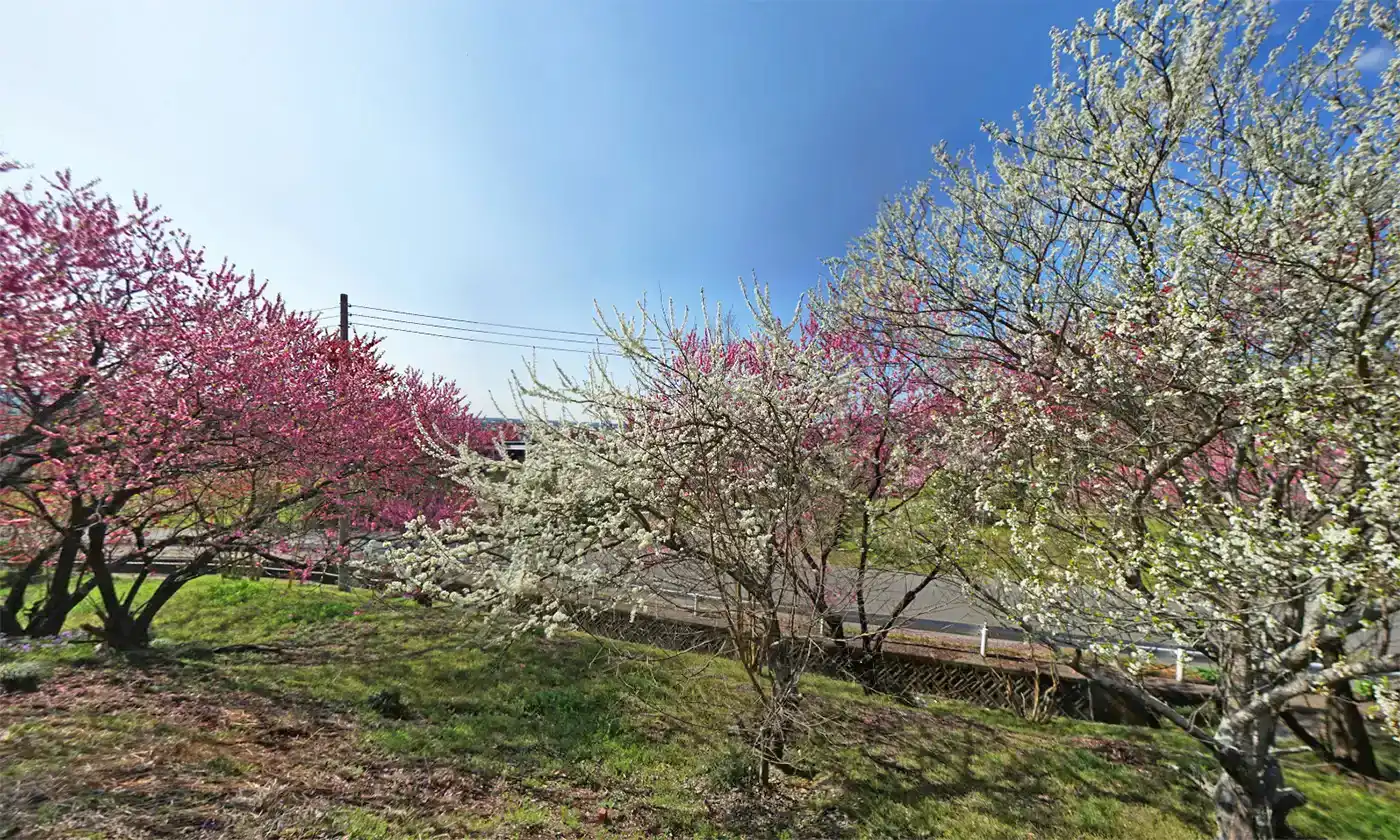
<point>938,605</point>
<point>941,606</point>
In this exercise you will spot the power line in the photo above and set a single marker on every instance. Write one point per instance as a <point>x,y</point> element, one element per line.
<point>481,323</point>
<point>373,318</point>
<point>502,343</point>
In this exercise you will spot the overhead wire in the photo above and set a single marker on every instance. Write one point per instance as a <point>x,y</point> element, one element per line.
<point>539,342</point>
<point>479,323</point>
<point>376,318</point>
<point>545,347</point>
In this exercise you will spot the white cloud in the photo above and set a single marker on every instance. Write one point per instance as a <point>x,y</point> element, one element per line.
<point>1375,59</point>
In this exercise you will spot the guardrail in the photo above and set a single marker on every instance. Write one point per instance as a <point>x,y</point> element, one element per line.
<point>1179,656</point>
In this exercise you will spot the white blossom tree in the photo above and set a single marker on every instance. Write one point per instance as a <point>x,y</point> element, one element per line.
<point>1168,312</point>
<point>876,539</point>
<point>739,461</point>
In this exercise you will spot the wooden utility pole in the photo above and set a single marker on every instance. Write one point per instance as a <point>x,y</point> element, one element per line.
<point>343,572</point>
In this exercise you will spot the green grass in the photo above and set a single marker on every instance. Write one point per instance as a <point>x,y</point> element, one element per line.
<point>552,738</point>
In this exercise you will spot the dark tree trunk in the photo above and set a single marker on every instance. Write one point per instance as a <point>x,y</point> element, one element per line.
<point>1251,799</point>
<point>58,601</point>
<point>128,627</point>
<point>1121,707</point>
<point>141,624</point>
<point>117,630</point>
<point>834,626</point>
<point>1260,814</point>
<point>1349,741</point>
<point>1343,726</point>
<point>124,635</point>
<point>1234,812</point>
<point>18,581</point>
<point>866,670</point>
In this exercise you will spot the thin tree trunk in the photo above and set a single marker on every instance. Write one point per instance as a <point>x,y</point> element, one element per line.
<point>58,601</point>
<point>1346,732</point>
<point>834,625</point>
<point>1309,740</point>
<point>19,580</point>
<point>141,624</point>
<point>782,704</point>
<point>127,629</point>
<point>1234,813</point>
<point>1258,815</point>
<point>116,629</point>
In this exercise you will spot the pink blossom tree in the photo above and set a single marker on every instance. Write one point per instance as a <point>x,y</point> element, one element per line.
<point>221,420</point>
<point>74,274</point>
<point>431,406</point>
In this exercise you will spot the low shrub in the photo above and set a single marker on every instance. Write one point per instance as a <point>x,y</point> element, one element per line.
<point>389,703</point>
<point>735,768</point>
<point>18,677</point>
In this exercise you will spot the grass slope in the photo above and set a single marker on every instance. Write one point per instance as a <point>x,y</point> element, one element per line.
<point>570,737</point>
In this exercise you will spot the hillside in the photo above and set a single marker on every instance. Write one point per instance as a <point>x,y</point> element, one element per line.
<point>298,736</point>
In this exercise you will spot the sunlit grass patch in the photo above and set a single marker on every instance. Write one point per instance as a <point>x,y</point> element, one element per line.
<point>571,736</point>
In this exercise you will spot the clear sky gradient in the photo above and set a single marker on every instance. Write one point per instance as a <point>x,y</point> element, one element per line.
<point>514,161</point>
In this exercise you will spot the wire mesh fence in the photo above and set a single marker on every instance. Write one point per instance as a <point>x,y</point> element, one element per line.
<point>1037,689</point>
<point>1028,683</point>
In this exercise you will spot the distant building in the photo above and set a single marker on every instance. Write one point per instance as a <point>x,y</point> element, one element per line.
<point>514,444</point>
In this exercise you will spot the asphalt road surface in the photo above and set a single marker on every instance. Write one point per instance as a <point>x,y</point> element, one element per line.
<point>940,606</point>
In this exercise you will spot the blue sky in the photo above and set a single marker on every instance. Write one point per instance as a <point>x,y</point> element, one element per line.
<point>514,162</point>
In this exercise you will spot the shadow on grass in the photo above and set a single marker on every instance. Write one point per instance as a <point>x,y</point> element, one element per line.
<point>958,776</point>
<point>529,710</point>
<point>567,723</point>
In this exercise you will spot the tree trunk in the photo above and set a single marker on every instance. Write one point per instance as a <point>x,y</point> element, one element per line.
<point>140,631</point>
<point>117,630</point>
<point>1258,810</point>
<point>782,703</point>
<point>1234,813</point>
<point>1343,726</point>
<point>48,619</point>
<point>18,581</point>
<point>866,669</point>
<point>1237,815</point>
<point>123,629</point>
<point>9,622</point>
<point>1251,800</point>
<point>1346,732</point>
<point>834,626</point>
<point>125,635</point>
